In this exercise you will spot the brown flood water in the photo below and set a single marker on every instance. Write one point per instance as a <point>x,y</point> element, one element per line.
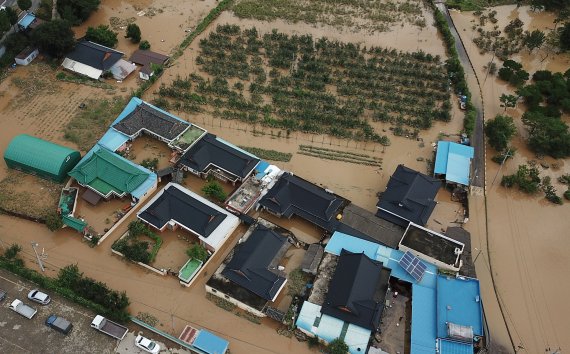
<point>528,242</point>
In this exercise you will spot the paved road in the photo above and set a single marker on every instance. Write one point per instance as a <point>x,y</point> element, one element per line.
<point>477,140</point>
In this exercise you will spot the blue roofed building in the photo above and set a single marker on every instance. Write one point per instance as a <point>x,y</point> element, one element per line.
<point>453,162</point>
<point>424,330</point>
<point>28,21</point>
<point>210,343</point>
<point>458,302</point>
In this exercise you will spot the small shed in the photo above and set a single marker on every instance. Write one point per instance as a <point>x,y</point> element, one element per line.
<point>39,157</point>
<point>453,162</point>
<point>26,56</point>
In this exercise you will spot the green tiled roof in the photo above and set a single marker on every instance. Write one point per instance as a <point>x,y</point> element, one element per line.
<point>74,223</point>
<point>106,172</point>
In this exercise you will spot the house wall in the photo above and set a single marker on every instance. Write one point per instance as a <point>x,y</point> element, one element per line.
<point>239,304</point>
<point>431,260</point>
<point>28,59</point>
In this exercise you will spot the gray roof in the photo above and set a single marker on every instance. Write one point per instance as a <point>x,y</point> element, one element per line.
<point>250,263</point>
<point>148,117</point>
<point>94,55</point>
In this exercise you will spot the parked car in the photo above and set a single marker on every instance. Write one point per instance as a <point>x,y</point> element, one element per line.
<point>23,309</point>
<point>2,295</point>
<point>147,345</point>
<point>39,297</point>
<point>109,327</point>
<point>60,324</point>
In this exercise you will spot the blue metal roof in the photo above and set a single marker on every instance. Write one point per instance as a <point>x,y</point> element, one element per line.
<point>388,256</point>
<point>452,347</point>
<point>459,302</point>
<point>27,20</point>
<point>261,167</point>
<point>424,330</point>
<point>113,139</point>
<point>329,328</point>
<point>210,343</point>
<point>454,161</point>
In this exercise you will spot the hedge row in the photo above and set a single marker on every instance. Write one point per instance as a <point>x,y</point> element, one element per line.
<point>16,266</point>
<point>455,69</point>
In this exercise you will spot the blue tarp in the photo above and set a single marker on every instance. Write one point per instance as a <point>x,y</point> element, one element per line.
<point>459,302</point>
<point>388,256</point>
<point>26,20</point>
<point>329,328</point>
<point>424,330</point>
<point>260,168</point>
<point>454,161</point>
<point>452,347</point>
<point>210,343</point>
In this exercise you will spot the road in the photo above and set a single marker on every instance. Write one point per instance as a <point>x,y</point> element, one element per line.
<point>477,139</point>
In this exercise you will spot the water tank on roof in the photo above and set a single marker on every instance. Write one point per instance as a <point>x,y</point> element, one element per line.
<point>459,332</point>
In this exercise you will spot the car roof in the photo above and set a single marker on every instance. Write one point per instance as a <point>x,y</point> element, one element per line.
<point>41,296</point>
<point>144,341</point>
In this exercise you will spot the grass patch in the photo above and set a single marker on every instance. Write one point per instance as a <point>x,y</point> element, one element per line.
<point>37,82</point>
<point>221,303</point>
<point>35,203</point>
<point>90,123</point>
<point>77,79</point>
<point>338,155</point>
<point>474,5</point>
<point>135,249</point>
<point>268,154</point>
<point>375,15</point>
<point>296,282</point>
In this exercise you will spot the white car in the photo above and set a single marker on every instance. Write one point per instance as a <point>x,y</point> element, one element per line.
<point>147,345</point>
<point>39,297</point>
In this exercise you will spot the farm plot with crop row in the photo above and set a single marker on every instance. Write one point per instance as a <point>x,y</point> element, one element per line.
<point>312,85</point>
<point>372,15</point>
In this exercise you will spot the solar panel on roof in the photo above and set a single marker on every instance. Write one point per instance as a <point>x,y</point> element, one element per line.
<point>413,266</point>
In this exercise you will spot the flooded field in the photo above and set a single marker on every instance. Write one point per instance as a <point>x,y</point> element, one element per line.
<point>527,235</point>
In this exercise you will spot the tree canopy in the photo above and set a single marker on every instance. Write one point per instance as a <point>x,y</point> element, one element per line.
<point>533,40</point>
<point>54,37</point>
<point>565,37</point>
<point>547,135</point>
<point>76,11</point>
<point>499,132</point>
<point>24,5</point>
<point>134,33</point>
<point>4,23</point>
<point>513,73</point>
<point>337,346</point>
<point>103,35</point>
<point>214,190</point>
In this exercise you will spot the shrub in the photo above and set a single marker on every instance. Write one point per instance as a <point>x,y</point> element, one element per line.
<point>144,45</point>
<point>102,35</point>
<point>53,221</point>
<point>134,33</point>
<point>12,251</point>
<point>337,346</point>
<point>213,190</point>
<point>567,194</point>
<point>198,252</point>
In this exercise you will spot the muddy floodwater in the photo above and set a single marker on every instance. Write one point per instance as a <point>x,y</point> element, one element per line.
<point>528,236</point>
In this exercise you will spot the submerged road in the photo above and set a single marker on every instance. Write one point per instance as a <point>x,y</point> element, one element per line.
<point>477,139</point>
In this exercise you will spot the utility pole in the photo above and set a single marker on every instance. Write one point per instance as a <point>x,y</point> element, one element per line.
<point>34,245</point>
<point>507,155</point>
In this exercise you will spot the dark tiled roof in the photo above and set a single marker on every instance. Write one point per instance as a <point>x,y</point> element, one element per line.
<point>95,55</point>
<point>176,205</point>
<point>145,57</point>
<point>209,150</point>
<point>357,290</point>
<point>294,195</point>
<point>250,262</point>
<point>145,116</point>
<point>410,195</point>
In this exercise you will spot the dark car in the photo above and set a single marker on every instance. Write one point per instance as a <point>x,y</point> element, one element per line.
<point>60,324</point>
<point>2,294</point>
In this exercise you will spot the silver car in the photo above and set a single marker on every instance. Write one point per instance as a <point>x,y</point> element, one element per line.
<point>39,297</point>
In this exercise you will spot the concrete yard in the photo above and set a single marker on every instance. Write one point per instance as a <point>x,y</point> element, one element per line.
<point>21,335</point>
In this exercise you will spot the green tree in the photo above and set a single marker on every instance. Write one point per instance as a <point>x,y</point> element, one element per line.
<point>547,135</point>
<point>54,37</point>
<point>533,40</point>
<point>513,73</point>
<point>103,35</point>
<point>508,101</point>
<point>499,132</point>
<point>197,251</point>
<point>134,33</point>
<point>214,190</point>
<point>76,11</point>
<point>337,346</point>
<point>4,23</point>
<point>144,45</point>
<point>53,221</point>
<point>24,5</point>
<point>564,38</point>
<point>12,15</point>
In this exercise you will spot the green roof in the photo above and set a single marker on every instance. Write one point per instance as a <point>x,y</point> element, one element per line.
<point>34,155</point>
<point>74,223</point>
<point>108,173</point>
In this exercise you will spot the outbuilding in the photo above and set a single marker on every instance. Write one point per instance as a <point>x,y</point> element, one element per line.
<point>39,157</point>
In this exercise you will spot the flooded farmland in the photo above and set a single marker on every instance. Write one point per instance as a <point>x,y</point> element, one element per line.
<point>527,235</point>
